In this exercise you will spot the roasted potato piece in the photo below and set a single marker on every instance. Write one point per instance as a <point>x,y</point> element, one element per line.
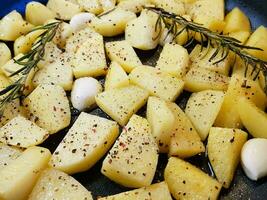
<point>132,161</point>
<point>8,154</point>
<point>135,6</point>
<point>92,6</point>
<point>172,6</point>
<point>5,54</point>
<point>224,150</point>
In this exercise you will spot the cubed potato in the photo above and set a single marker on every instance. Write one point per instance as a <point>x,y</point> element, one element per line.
<point>64,32</point>
<point>172,6</point>
<point>224,150</point>
<point>200,58</point>
<point>121,103</point>
<point>21,132</point>
<point>78,38</point>
<point>19,177</point>
<point>185,36</point>
<point>107,4</point>
<point>8,154</point>
<point>113,22</point>
<point>12,26</point>
<point>185,141</point>
<point>52,53</point>
<point>116,77</point>
<point>91,6</point>
<point>241,36</point>
<point>202,109</point>
<point>210,13</point>
<point>23,44</point>
<point>90,59</point>
<point>174,59</point>
<point>12,109</point>
<point>253,118</point>
<point>186,181</point>
<point>258,39</point>
<point>158,191</point>
<point>123,53</point>
<point>144,24</point>
<point>54,184</point>
<point>133,159</point>
<point>135,6</point>
<point>236,20</point>
<point>85,143</point>
<point>11,67</point>
<point>157,83</point>
<point>5,54</point>
<point>64,9</point>
<point>57,73</point>
<point>37,13</point>
<point>199,79</point>
<point>161,120</point>
<point>49,108</point>
<point>239,86</point>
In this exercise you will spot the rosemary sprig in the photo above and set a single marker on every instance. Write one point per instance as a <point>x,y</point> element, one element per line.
<point>28,62</point>
<point>223,43</point>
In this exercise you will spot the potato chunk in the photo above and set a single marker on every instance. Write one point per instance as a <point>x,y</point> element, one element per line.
<point>132,161</point>
<point>172,6</point>
<point>158,191</point>
<point>253,118</point>
<point>135,6</point>
<point>224,149</point>
<point>239,86</point>
<point>48,106</point>
<point>236,21</point>
<point>8,154</point>
<point>21,132</point>
<point>64,9</point>
<point>121,103</point>
<point>37,13</point>
<point>19,177</point>
<point>85,143</point>
<point>157,83</point>
<point>54,184</point>
<point>174,59</point>
<point>161,120</point>
<point>124,54</point>
<point>116,77</point>
<point>186,181</point>
<point>144,24</point>
<point>185,141</point>
<point>113,23</point>
<point>57,73</point>
<point>202,109</point>
<point>5,54</point>
<point>90,59</point>
<point>258,39</point>
<point>199,79</point>
<point>92,6</point>
<point>12,26</point>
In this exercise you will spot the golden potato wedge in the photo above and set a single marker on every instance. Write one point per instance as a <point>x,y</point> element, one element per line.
<point>92,6</point>
<point>121,103</point>
<point>135,6</point>
<point>186,181</point>
<point>48,107</point>
<point>54,184</point>
<point>85,143</point>
<point>202,109</point>
<point>5,54</point>
<point>172,6</point>
<point>241,36</point>
<point>157,83</point>
<point>132,161</point>
<point>19,177</point>
<point>224,150</point>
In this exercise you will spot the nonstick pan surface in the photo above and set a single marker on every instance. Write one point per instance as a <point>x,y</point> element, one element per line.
<point>242,188</point>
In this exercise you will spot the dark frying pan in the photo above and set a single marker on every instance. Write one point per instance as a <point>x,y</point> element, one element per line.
<point>93,180</point>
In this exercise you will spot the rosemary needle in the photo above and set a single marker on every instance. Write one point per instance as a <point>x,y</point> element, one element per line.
<point>223,43</point>
<point>28,62</point>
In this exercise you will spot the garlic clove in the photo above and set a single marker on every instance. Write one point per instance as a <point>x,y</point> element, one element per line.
<point>84,92</point>
<point>81,21</point>
<point>254,159</point>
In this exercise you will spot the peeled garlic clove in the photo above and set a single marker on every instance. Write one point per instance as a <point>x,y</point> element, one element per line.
<point>84,92</point>
<point>81,21</point>
<point>254,159</point>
